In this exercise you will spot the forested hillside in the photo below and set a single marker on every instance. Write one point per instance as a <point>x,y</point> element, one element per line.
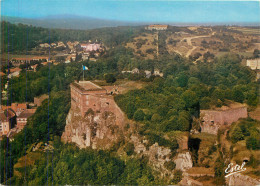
<point>23,37</point>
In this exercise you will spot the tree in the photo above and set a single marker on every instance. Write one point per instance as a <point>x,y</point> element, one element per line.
<point>256,53</point>
<point>237,134</point>
<point>130,110</point>
<point>238,95</point>
<point>183,124</point>
<point>252,143</point>
<point>129,149</point>
<point>156,117</point>
<point>182,80</point>
<point>139,115</point>
<point>190,98</point>
<point>110,78</point>
<point>219,170</point>
<point>170,165</point>
<point>177,176</point>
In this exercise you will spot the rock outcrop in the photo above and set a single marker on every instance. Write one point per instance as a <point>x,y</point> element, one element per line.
<point>183,161</point>
<point>95,130</point>
<point>241,180</point>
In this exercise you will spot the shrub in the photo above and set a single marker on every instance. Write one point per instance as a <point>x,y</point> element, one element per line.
<point>252,143</point>
<point>139,115</point>
<point>237,134</point>
<point>110,78</point>
<point>170,165</point>
<point>129,149</point>
<point>177,176</point>
<point>156,117</point>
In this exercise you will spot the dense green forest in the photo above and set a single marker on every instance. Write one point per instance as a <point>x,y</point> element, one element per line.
<point>170,103</point>
<point>69,165</point>
<point>23,37</point>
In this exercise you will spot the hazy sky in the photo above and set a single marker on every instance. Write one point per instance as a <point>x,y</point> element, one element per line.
<point>138,10</point>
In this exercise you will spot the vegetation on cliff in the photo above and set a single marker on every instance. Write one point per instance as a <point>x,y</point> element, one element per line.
<point>67,164</point>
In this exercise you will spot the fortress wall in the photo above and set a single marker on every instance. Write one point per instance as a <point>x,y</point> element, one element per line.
<point>213,119</point>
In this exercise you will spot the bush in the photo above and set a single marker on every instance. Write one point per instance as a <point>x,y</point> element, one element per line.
<point>170,165</point>
<point>129,149</point>
<point>156,117</point>
<point>252,143</point>
<point>139,115</point>
<point>237,134</point>
<point>110,78</point>
<point>177,176</point>
<point>130,110</point>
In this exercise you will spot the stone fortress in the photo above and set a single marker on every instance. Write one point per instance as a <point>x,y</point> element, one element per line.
<point>94,118</point>
<point>212,120</point>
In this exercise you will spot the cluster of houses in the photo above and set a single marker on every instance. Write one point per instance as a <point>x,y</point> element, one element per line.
<point>14,118</point>
<point>83,49</point>
<point>148,73</point>
<point>17,61</point>
<point>53,45</point>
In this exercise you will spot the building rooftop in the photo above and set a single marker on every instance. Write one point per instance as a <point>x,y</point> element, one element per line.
<point>27,113</point>
<point>87,86</point>
<point>6,114</point>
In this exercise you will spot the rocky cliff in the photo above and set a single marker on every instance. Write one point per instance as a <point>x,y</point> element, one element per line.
<point>96,129</point>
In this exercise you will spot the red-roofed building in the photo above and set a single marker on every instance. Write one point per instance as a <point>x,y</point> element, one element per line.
<point>16,107</point>
<point>21,60</point>
<point>34,67</point>
<point>7,121</point>
<point>14,72</point>
<point>23,117</point>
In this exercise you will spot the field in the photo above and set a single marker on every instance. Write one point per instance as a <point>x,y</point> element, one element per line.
<point>247,30</point>
<point>147,41</point>
<point>199,41</point>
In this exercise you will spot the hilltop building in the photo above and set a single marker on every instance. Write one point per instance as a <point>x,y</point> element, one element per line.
<point>157,27</point>
<point>254,64</point>
<point>86,95</point>
<point>94,117</point>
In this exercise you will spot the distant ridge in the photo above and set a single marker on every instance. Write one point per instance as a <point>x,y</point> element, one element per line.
<point>69,22</point>
<point>84,23</point>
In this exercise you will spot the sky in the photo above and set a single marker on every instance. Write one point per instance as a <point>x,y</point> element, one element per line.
<point>139,10</point>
